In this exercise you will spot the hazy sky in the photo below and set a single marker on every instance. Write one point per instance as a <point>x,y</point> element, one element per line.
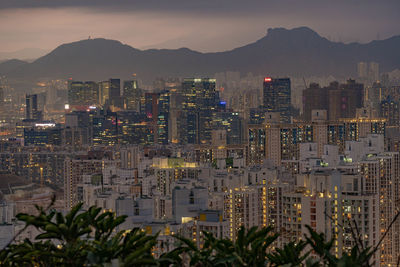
<point>204,25</point>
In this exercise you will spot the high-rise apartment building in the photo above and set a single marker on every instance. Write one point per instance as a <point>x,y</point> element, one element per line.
<point>277,96</point>
<point>340,100</point>
<point>389,109</point>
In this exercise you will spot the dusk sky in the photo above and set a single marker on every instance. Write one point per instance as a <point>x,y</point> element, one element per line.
<point>209,25</point>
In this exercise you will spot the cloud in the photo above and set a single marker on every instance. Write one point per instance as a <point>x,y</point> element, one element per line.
<point>207,25</point>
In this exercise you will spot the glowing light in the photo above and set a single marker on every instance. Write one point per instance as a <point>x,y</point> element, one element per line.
<point>222,102</point>
<point>66,106</point>
<point>45,124</point>
<point>267,79</point>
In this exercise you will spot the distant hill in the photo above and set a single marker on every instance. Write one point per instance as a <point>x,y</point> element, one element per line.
<point>296,52</point>
<point>10,65</point>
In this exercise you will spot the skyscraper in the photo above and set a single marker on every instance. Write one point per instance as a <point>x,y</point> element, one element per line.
<point>277,96</point>
<point>104,92</point>
<point>83,93</point>
<point>32,111</point>
<point>131,93</point>
<point>199,100</point>
<point>115,93</point>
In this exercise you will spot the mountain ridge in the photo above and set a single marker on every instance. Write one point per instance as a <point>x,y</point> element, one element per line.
<point>295,52</point>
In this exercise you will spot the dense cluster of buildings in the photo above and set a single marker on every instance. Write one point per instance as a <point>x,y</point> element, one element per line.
<point>181,159</point>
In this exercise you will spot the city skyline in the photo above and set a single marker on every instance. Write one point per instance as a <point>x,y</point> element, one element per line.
<point>283,149</point>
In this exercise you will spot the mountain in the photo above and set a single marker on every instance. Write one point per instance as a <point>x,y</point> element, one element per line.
<point>10,65</point>
<point>282,52</point>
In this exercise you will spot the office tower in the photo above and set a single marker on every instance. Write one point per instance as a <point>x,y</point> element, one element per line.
<point>199,100</point>
<point>277,96</point>
<point>104,92</point>
<point>131,94</point>
<point>1,95</point>
<point>42,134</point>
<point>32,112</point>
<point>82,94</point>
<point>105,128</point>
<point>115,93</point>
<point>135,128</point>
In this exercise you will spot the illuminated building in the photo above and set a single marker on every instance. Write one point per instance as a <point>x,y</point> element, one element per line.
<point>200,100</point>
<point>163,118</point>
<point>381,174</point>
<point>243,207</point>
<point>256,116</point>
<point>256,143</point>
<point>105,128</point>
<point>43,134</point>
<point>232,123</point>
<point>135,128</point>
<point>277,96</point>
<point>131,94</point>
<point>282,140</point>
<point>330,202</point>
<point>34,165</point>
<point>390,111</point>
<point>83,94</point>
<point>104,92</point>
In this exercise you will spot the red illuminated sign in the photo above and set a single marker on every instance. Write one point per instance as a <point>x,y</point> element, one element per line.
<point>267,79</point>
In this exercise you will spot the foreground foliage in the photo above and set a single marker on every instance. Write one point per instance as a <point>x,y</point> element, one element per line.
<point>90,238</point>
